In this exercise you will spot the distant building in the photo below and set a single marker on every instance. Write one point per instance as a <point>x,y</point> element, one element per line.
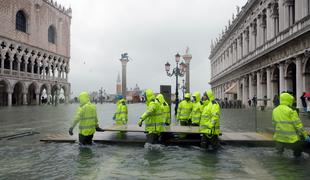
<point>34,51</point>
<point>134,95</point>
<point>94,96</point>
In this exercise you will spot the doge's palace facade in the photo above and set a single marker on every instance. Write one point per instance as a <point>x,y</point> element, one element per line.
<point>265,50</point>
<point>34,51</point>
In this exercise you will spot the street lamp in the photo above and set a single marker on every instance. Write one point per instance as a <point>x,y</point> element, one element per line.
<point>177,72</point>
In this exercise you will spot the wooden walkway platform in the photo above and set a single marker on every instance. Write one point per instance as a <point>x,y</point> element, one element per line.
<point>135,135</point>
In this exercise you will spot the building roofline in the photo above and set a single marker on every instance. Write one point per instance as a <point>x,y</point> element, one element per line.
<point>240,17</point>
<point>59,7</point>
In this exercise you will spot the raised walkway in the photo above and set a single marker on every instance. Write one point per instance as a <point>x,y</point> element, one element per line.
<point>135,134</point>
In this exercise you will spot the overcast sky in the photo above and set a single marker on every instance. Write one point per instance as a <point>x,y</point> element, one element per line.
<point>151,32</point>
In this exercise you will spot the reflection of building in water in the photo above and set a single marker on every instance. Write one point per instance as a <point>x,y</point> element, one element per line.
<point>264,51</point>
<point>34,51</point>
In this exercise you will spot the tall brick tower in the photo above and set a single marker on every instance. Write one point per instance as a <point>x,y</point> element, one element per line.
<point>118,85</point>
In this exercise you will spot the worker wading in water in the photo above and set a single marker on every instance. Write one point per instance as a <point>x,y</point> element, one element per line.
<point>210,122</point>
<point>86,117</point>
<point>153,118</point>
<point>289,132</point>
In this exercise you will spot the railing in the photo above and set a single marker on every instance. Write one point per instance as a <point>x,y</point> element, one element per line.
<point>283,37</point>
<point>26,75</point>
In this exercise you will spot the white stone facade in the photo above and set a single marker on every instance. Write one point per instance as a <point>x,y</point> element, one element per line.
<point>33,59</point>
<point>264,51</point>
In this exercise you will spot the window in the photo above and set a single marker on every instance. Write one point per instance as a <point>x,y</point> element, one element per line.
<point>52,34</point>
<point>21,21</point>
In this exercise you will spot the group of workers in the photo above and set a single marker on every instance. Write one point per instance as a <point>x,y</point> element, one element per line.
<point>289,132</point>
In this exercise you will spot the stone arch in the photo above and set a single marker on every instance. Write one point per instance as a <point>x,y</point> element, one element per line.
<point>33,93</point>
<point>275,81</point>
<point>5,87</point>
<point>18,91</point>
<point>290,77</point>
<point>54,93</point>
<point>45,93</point>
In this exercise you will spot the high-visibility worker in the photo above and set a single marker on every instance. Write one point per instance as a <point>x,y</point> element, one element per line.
<point>121,114</point>
<point>153,118</point>
<point>165,109</point>
<point>86,116</point>
<point>184,110</point>
<point>197,109</point>
<point>210,122</point>
<point>288,128</point>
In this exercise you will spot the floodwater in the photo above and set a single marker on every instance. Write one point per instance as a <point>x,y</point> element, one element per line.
<point>28,158</point>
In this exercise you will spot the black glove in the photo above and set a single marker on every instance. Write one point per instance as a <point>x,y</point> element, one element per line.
<point>140,122</point>
<point>71,131</point>
<point>99,129</point>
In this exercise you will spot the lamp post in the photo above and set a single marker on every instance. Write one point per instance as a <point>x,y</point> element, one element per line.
<point>187,58</point>
<point>177,72</point>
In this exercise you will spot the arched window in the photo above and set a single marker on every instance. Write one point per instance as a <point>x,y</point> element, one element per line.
<point>21,21</point>
<point>52,34</point>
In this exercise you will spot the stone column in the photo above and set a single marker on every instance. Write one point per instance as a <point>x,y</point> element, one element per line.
<point>239,97</point>
<point>286,16</point>
<point>124,60</point>
<point>19,60</point>
<point>281,78</point>
<point>251,93</point>
<point>48,93</point>
<point>269,96</point>
<point>49,71</point>
<point>32,61</point>
<point>253,40</point>
<point>259,88</point>
<point>299,81</point>
<point>187,58</point>
<point>38,70</point>
<point>244,98</point>
<point>24,98</point>
<point>259,30</point>
<point>26,65</point>
<point>10,98</point>
<point>67,74</point>
<point>11,62</point>
<point>2,54</point>
<point>63,73</point>
<point>247,41</point>
<point>240,47</point>
<point>53,71</point>
<point>59,71</point>
<point>37,98</point>
<point>244,47</point>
